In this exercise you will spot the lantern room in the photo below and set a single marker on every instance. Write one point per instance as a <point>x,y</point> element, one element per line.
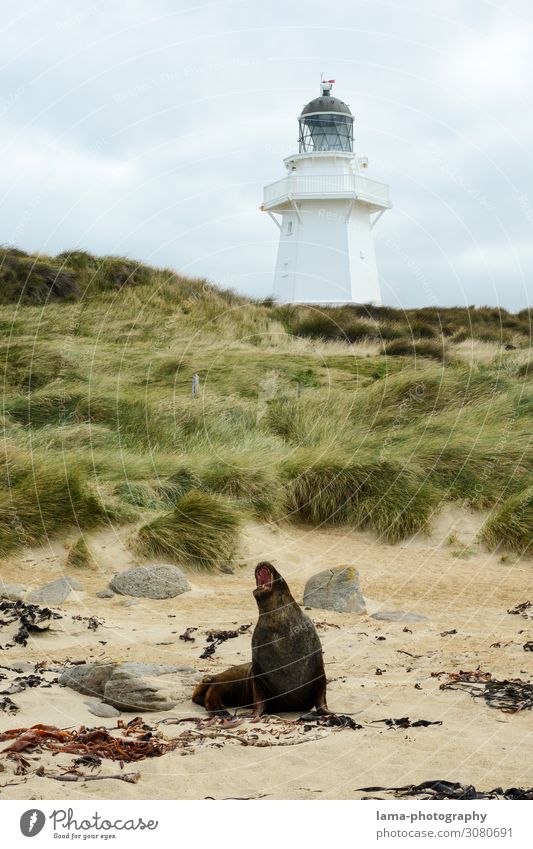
<point>326,123</point>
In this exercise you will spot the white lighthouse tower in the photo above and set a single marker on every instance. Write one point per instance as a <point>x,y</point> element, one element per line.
<point>328,208</point>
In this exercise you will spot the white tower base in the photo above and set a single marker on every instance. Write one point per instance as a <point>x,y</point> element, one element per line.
<point>326,251</point>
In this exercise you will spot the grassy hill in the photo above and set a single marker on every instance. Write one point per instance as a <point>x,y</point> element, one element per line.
<point>361,415</point>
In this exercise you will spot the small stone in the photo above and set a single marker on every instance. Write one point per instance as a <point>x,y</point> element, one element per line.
<point>55,592</point>
<point>335,589</point>
<point>129,602</point>
<point>399,616</point>
<point>105,594</point>
<point>157,581</point>
<point>101,709</point>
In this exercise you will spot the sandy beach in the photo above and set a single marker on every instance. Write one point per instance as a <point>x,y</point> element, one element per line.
<point>475,744</point>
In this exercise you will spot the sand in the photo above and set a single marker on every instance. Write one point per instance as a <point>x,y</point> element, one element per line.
<point>470,593</point>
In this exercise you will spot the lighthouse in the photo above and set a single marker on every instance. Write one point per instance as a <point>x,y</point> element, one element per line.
<point>326,208</point>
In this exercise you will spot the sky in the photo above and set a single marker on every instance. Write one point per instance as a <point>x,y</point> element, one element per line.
<point>148,128</point>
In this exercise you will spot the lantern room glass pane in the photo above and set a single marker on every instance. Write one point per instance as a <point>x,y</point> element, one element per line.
<point>326,132</point>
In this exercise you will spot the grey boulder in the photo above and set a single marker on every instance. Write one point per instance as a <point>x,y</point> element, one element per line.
<point>127,691</point>
<point>105,594</point>
<point>335,589</point>
<point>88,678</point>
<point>126,686</point>
<point>151,582</point>
<point>399,616</point>
<point>55,592</point>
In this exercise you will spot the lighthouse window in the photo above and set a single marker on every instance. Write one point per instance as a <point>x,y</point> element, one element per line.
<point>326,132</point>
<point>289,228</point>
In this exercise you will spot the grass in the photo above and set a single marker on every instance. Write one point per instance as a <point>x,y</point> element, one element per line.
<point>511,524</point>
<point>80,556</point>
<point>43,501</point>
<point>201,532</point>
<point>363,416</point>
<point>383,496</point>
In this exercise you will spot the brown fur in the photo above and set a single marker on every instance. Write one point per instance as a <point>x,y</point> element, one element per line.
<point>287,668</point>
<point>231,688</point>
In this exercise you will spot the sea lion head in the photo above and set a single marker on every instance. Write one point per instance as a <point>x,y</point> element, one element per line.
<point>271,589</point>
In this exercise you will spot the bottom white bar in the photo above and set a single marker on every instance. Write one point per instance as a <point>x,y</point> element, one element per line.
<point>235,824</point>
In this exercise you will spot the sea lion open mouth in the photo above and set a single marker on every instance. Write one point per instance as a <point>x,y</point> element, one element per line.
<point>263,578</point>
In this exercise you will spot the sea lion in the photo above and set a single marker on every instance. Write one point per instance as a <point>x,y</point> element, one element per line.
<point>287,662</point>
<point>231,688</point>
<point>287,668</point>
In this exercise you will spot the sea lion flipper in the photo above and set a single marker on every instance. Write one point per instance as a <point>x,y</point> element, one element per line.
<point>259,697</point>
<point>320,702</point>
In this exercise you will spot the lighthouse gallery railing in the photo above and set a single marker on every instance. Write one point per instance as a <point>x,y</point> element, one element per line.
<point>332,185</point>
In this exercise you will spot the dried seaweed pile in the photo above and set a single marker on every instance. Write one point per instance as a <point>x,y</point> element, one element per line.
<point>138,741</point>
<point>30,618</point>
<point>509,696</point>
<point>449,790</point>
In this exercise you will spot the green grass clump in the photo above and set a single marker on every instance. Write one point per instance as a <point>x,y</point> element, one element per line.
<point>140,494</point>
<point>30,280</point>
<point>258,489</point>
<point>80,555</point>
<point>383,496</point>
<point>428,348</point>
<point>45,500</point>
<point>201,532</point>
<point>511,525</point>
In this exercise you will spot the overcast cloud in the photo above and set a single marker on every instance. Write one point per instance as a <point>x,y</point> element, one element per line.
<point>148,128</point>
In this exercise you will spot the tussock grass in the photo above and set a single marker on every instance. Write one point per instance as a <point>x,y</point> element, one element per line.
<point>258,488</point>
<point>429,348</point>
<point>383,496</point>
<point>511,525</point>
<point>43,501</point>
<point>80,555</point>
<point>29,280</point>
<point>200,533</point>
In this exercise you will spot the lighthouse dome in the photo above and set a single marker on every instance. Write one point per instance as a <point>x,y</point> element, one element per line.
<point>326,123</point>
<point>326,103</point>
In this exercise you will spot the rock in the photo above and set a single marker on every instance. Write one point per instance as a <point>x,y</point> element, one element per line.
<point>134,668</point>
<point>151,582</point>
<point>399,616</point>
<point>23,666</point>
<point>105,594</point>
<point>88,678</point>
<point>335,589</point>
<point>125,686</point>
<point>54,592</point>
<point>74,583</point>
<point>101,709</point>
<point>13,592</point>
<point>127,691</point>
<point>129,602</point>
